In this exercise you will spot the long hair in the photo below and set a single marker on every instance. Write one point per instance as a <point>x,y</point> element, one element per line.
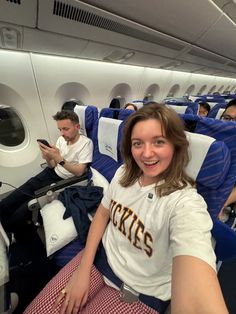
<point>174,177</point>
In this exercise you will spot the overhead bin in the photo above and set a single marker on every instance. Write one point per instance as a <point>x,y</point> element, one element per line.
<point>20,12</point>
<point>81,20</point>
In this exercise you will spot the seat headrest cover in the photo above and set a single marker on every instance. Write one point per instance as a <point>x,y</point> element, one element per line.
<point>80,111</point>
<point>108,130</point>
<point>199,145</point>
<point>219,113</point>
<point>178,109</point>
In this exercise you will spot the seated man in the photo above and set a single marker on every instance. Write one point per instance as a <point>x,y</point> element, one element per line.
<point>229,113</point>
<point>68,158</point>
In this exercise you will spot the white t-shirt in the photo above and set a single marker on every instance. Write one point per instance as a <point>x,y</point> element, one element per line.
<point>80,152</point>
<point>146,231</point>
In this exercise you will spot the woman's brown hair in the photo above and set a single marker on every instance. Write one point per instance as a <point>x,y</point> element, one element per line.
<point>175,177</point>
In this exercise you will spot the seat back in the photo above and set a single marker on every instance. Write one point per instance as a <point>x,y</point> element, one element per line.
<point>226,132</point>
<point>87,117</point>
<point>107,138</point>
<point>210,166</point>
<point>219,113</point>
<point>185,107</point>
<point>216,111</point>
<point>112,113</point>
<point>115,113</point>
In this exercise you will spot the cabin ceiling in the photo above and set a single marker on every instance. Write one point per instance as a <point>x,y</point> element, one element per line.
<point>182,35</point>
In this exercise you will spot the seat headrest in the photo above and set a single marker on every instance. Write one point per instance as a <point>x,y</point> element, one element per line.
<point>209,160</point>
<point>178,109</point>
<point>198,147</point>
<point>219,113</point>
<point>80,111</point>
<point>108,130</point>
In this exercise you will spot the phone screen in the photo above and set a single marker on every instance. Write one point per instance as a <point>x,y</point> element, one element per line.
<point>45,142</point>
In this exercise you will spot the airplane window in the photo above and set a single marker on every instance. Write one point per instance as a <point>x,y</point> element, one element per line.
<point>190,90</point>
<point>12,131</point>
<point>202,89</point>
<point>212,89</point>
<point>173,91</point>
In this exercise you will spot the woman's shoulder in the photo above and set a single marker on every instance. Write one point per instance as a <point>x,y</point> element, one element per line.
<point>187,194</point>
<point>119,173</point>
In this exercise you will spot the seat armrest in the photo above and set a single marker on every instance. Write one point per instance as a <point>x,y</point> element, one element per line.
<point>41,195</point>
<point>60,185</point>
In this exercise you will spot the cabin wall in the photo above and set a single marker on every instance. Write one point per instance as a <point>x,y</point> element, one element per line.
<point>37,85</point>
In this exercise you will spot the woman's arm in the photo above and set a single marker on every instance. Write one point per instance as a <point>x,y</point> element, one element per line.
<point>78,286</point>
<point>195,288</point>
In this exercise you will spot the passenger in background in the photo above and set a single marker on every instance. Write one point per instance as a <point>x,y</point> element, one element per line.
<point>204,109</point>
<point>131,106</point>
<point>229,113</point>
<point>68,158</point>
<point>141,234</point>
<point>70,104</point>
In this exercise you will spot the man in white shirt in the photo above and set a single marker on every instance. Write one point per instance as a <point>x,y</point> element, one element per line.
<point>69,157</point>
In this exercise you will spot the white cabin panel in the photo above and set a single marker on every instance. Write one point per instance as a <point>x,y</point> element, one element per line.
<point>60,79</point>
<point>18,91</point>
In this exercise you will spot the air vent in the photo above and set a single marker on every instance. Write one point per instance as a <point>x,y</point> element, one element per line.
<point>76,14</point>
<point>207,56</point>
<point>14,1</point>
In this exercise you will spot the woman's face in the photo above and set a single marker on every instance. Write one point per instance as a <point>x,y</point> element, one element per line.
<point>150,149</point>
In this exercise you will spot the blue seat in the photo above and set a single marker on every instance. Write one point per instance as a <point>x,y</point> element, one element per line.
<point>215,198</point>
<point>115,113</point>
<point>187,107</point>
<point>112,113</point>
<point>213,112</point>
<point>88,115</point>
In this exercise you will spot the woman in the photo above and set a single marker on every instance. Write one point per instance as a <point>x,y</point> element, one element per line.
<point>155,232</point>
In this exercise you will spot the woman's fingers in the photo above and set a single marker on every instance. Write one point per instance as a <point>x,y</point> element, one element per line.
<point>59,298</point>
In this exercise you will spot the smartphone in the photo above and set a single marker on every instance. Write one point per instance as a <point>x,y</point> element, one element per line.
<point>44,142</point>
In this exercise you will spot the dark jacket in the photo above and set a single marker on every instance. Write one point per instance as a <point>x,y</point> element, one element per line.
<point>79,201</point>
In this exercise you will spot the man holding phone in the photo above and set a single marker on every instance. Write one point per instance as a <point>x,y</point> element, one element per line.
<point>68,158</point>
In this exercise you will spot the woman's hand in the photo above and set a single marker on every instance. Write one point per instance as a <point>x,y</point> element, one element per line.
<point>75,293</point>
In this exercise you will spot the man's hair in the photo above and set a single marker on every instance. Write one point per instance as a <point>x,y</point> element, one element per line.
<point>175,177</point>
<point>231,103</point>
<point>130,104</point>
<point>66,115</point>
